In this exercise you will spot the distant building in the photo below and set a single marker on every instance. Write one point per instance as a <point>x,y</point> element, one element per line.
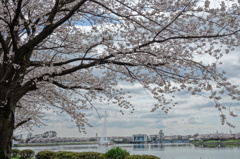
<point>154,138</point>
<point>161,135</point>
<point>168,138</point>
<point>122,139</point>
<point>157,137</point>
<point>140,138</point>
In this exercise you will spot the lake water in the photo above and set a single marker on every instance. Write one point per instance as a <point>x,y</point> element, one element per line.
<point>165,151</point>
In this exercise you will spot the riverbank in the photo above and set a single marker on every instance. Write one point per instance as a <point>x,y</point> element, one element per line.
<point>205,143</point>
<point>218,143</point>
<point>114,152</point>
<point>164,151</point>
<point>54,144</point>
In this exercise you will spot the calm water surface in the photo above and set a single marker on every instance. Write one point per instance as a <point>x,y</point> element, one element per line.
<point>165,151</point>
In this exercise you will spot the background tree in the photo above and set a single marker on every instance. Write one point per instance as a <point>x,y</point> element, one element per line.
<point>49,134</point>
<point>66,54</point>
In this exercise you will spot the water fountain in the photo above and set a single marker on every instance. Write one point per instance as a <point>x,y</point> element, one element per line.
<point>104,139</point>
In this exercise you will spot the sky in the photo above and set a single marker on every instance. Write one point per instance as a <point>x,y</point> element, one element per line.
<point>193,114</point>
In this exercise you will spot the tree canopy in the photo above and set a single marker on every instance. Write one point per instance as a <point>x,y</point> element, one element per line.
<point>66,54</point>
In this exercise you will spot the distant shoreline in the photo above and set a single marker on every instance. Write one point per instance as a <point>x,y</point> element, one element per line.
<point>203,143</point>
<point>53,144</point>
<point>218,143</point>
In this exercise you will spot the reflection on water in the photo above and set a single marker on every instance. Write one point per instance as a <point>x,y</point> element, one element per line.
<point>148,147</point>
<point>165,151</point>
<point>160,147</point>
<point>157,147</point>
<point>140,147</point>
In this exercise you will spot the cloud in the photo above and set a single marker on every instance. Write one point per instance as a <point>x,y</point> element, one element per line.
<point>136,123</point>
<point>193,120</point>
<point>193,114</point>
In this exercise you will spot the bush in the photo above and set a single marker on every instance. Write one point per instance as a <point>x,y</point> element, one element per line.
<point>77,155</point>
<point>116,153</point>
<point>142,157</point>
<point>26,154</point>
<point>63,155</point>
<point>44,155</point>
<point>88,155</point>
<point>15,152</point>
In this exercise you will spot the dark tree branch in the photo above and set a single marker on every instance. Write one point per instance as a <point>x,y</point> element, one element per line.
<point>16,139</point>
<point>53,12</point>
<point>39,63</point>
<point>120,15</point>
<point>74,87</point>
<point>25,24</point>
<point>21,123</point>
<point>3,44</point>
<point>12,25</point>
<point>5,21</point>
<point>164,28</point>
<point>51,27</point>
<point>17,13</point>
<point>90,48</point>
<point>187,37</point>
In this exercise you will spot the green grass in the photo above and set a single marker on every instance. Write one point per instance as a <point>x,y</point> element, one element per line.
<point>232,140</point>
<point>211,141</point>
<point>216,141</point>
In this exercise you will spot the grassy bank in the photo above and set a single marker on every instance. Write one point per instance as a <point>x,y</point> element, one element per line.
<point>218,143</point>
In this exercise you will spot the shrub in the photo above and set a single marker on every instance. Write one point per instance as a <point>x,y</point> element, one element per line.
<point>142,157</point>
<point>77,155</point>
<point>88,155</point>
<point>116,153</point>
<point>26,154</point>
<point>15,152</point>
<point>44,155</point>
<point>63,155</point>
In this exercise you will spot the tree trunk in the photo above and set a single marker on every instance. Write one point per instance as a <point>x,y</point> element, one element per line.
<point>6,130</point>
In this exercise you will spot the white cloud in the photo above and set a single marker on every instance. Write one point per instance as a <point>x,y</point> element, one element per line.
<point>193,120</point>
<point>193,114</point>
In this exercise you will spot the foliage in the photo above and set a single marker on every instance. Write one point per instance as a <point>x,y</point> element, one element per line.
<point>26,154</point>
<point>51,50</point>
<point>63,155</point>
<point>157,47</point>
<point>44,155</point>
<point>142,157</point>
<point>88,155</point>
<point>116,153</point>
<point>49,134</point>
<point>15,152</point>
<point>77,155</point>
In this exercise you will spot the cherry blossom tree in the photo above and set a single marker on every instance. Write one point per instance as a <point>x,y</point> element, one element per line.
<point>67,54</point>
